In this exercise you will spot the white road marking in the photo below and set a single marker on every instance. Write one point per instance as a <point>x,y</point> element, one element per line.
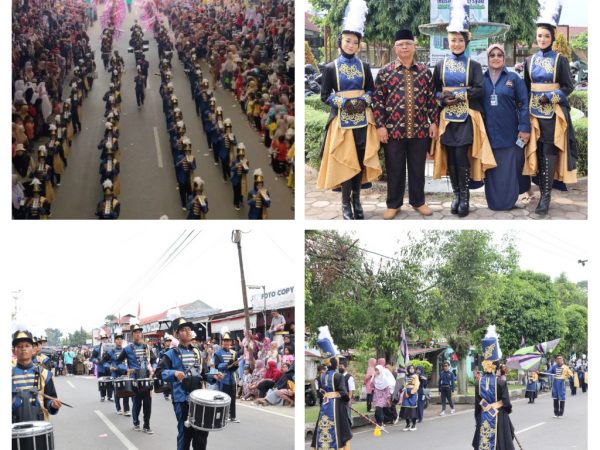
<point>126,442</point>
<point>70,384</point>
<point>529,428</point>
<point>265,410</point>
<point>158,152</point>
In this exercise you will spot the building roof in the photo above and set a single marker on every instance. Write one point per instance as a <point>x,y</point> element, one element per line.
<point>309,25</point>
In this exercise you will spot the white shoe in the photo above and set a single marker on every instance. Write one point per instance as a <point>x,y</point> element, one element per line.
<point>120,413</point>
<point>413,428</point>
<point>406,428</point>
<point>443,413</point>
<point>452,411</point>
<point>183,208</point>
<point>397,419</point>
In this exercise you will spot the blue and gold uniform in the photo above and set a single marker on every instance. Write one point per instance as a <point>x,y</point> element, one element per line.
<point>531,388</point>
<point>350,149</point>
<point>226,362</point>
<point>184,359</point>
<point>494,430</point>
<point>138,361</point>
<point>29,384</point>
<point>561,373</point>
<point>118,370</point>
<point>551,153</point>
<point>101,357</point>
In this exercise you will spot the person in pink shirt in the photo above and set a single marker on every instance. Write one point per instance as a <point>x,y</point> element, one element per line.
<point>369,382</point>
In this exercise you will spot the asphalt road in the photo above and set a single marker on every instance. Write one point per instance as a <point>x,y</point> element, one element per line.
<point>535,425</point>
<point>95,425</point>
<point>148,183</point>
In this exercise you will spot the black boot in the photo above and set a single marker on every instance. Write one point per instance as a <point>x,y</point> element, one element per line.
<point>562,408</point>
<point>452,172</point>
<point>346,206</point>
<point>556,407</point>
<point>463,183</point>
<point>546,177</point>
<point>356,206</point>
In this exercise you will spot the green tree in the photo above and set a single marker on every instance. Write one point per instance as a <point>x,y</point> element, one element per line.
<point>576,338</point>
<point>525,304</point>
<point>78,337</point>
<point>108,319</point>
<point>570,293</point>
<point>580,42</point>
<point>53,335</point>
<point>517,14</point>
<point>465,263</point>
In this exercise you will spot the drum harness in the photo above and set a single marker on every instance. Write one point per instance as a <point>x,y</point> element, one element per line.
<point>30,408</point>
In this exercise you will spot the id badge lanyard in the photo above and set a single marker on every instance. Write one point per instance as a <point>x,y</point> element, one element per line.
<point>494,97</point>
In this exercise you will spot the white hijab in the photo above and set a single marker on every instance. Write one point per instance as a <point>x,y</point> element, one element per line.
<point>385,379</point>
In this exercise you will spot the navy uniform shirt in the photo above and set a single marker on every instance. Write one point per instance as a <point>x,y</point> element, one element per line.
<point>504,121</point>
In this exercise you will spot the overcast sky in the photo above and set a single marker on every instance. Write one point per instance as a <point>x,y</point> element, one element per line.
<point>75,275</point>
<point>551,252</point>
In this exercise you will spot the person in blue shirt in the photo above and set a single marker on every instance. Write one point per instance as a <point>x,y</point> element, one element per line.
<point>226,362</point>
<point>101,358</point>
<point>165,348</point>
<point>137,355</point>
<point>182,367</point>
<point>119,369</point>
<point>446,387</point>
<point>259,199</point>
<point>30,383</point>
<point>505,104</point>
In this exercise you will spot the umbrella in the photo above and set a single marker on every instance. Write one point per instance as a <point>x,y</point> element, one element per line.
<point>529,358</point>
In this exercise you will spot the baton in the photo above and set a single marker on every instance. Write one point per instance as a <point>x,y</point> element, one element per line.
<point>52,398</point>
<point>369,420</point>
<point>518,443</point>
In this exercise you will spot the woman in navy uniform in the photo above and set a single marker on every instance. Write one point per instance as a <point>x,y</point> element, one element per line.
<point>561,374</point>
<point>349,151</point>
<point>552,152</point>
<point>239,169</point>
<point>32,385</point>
<point>259,199</point>
<point>198,203</point>
<point>531,388</point>
<point>462,149</point>
<point>227,362</point>
<point>182,367</point>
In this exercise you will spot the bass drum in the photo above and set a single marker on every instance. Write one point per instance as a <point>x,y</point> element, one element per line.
<point>208,410</point>
<point>161,386</point>
<point>32,436</point>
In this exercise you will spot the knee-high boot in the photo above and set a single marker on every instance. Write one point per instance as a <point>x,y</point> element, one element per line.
<point>463,183</point>
<point>452,172</point>
<point>346,206</point>
<point>546,178</point>
<point>562,408</point>
<point>356,206</point>
<point>556,411</point>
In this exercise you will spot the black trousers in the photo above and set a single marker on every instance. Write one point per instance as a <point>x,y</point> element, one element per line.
<point>185,191</point>
<point>125,403</point>
<point>238,199</point>
<point>264,386</point>
<point>446,394</point>
<point>458,156</point>
<point>360,141</point>
<point>142,401</point>
<point>139,96</point>
<point>186,436</point>
<point>398,155</point>
<point>229,389</point>
<point>369,402</point>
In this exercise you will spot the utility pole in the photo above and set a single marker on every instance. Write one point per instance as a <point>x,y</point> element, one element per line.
<point>264,311</point>
<point>236,238</point>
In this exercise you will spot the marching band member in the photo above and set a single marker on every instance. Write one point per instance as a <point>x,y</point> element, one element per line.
<point>408,411</point>
<point>182,367</point>
<point>185,164</point>
<point>258,198</point>
<point>198,206</point>
<point>239,169</point>
<point>37,207</point>
<point>109,208</point>
<point>561,374</point>
<point>33,392</point>
<point>226,362</point>
<point>41,359</point>
<point>101,357</point>
<point>119,369</point>
<point>137,355</point>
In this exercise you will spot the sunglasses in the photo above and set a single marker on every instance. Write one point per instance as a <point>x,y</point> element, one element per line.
<point>496,55</point>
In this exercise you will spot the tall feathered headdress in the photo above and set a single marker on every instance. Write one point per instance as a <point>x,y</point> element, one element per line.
<point>550,13</point>
<point>355,16</point>
<point>491,345</point>
<point>325,343</point>
<point>459,17</point>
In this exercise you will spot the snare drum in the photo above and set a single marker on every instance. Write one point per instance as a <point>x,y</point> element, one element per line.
<point>144,384</point>
<point>104,382</point>
<point>32,436</point>
<point>162,386</point>
<point>123,387</point>
<point>208,410</point>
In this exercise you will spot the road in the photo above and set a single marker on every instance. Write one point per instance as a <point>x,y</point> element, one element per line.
<point>95,425</point>
<point>535,426</point>
<point>148,184</point>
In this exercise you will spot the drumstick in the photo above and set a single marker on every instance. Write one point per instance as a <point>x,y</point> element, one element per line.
<point>52,398</point>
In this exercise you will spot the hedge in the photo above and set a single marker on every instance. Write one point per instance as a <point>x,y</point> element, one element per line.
<point>314,130</point>
<point>580,127</point>
<point>314,101</point>
<point>579,100</point>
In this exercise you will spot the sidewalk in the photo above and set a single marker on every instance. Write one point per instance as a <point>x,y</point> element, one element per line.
<point>326,205</point>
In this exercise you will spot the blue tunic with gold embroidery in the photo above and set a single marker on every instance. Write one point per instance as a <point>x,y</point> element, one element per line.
<point>494,430</point>
<point>333,425</point>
